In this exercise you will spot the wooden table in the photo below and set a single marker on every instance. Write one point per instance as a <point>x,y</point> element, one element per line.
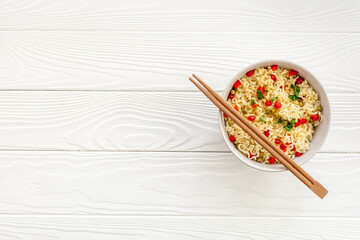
<point>97,135</point>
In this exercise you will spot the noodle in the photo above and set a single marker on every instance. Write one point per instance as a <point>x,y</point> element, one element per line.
<point>291,126</point>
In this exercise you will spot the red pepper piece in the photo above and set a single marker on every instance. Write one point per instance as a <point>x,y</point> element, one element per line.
<point>272,160</point>
<point>283,147</point>
<point>251,118</point>
<point>268,103</point>
<point>299,80</point>
<point>267,133</point>
<point>232,138</point>
<point>292,72</point>
<point>236,108</point>
<point>277,141</point>
<point>225,116</point>
<point>237,84</point>
<point>250,73</point>
<point>302,121</point>
<point>274,67</point>
<point>261,88</point>
<point>254,105</point>
<point>277,105</point>
<point>273,77</point>
<point>298,154</point>
<point>315,117</point>
<point>231,96</point>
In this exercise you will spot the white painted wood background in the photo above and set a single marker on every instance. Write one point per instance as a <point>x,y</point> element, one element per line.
<point>97,140</point>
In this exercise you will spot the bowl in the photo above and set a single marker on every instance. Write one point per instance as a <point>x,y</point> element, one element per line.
<point>321,131</point>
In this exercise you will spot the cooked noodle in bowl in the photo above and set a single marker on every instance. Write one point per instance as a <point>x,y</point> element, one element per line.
<point>280,101</point>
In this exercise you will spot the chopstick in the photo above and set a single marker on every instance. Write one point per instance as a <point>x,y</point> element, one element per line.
<point>259,137</point>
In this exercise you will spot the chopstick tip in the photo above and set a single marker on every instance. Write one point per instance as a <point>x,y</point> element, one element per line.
<point>319,189</point>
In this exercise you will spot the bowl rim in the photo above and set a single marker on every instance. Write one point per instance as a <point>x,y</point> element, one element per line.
<point>321,131</point>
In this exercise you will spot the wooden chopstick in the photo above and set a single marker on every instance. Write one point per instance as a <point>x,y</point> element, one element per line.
<point>255,133</point>
<point>255,130</point>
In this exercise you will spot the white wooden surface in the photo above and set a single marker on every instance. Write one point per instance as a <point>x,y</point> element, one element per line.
<point>103,137</point>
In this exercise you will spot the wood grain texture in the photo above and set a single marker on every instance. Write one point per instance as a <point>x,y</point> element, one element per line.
<point>106,81</point>
<point>175,228</point>
<point>171,184</point>
<point>137,121</point>
<point>163,61</point>
<point>215,16</point>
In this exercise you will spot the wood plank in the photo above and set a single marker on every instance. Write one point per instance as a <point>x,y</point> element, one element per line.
<point>172,184</point>
<point>214,16</point>
<point>189,228</point>
<point>137,121</point>
<point>163,61</point>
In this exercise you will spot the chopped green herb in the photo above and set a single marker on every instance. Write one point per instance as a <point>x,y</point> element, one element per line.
<point>292,97</point>
<point>273,98</point>
<point>290,125</point>
<point>259,94</point>
<point>297,90</point>
<point>262,119</point>
<point>252,101</point>
<point>296,93</point>
<point>268,113</point>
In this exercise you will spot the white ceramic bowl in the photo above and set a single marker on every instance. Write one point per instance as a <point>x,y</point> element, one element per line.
<point>320,132</point>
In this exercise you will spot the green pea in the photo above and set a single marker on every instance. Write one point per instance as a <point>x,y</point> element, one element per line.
<point>232,91</point>
<point>259,159</point>
<point>318,108</point>
<point>266,88</point>
<point>307,118</point>
<point>301,104</point>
